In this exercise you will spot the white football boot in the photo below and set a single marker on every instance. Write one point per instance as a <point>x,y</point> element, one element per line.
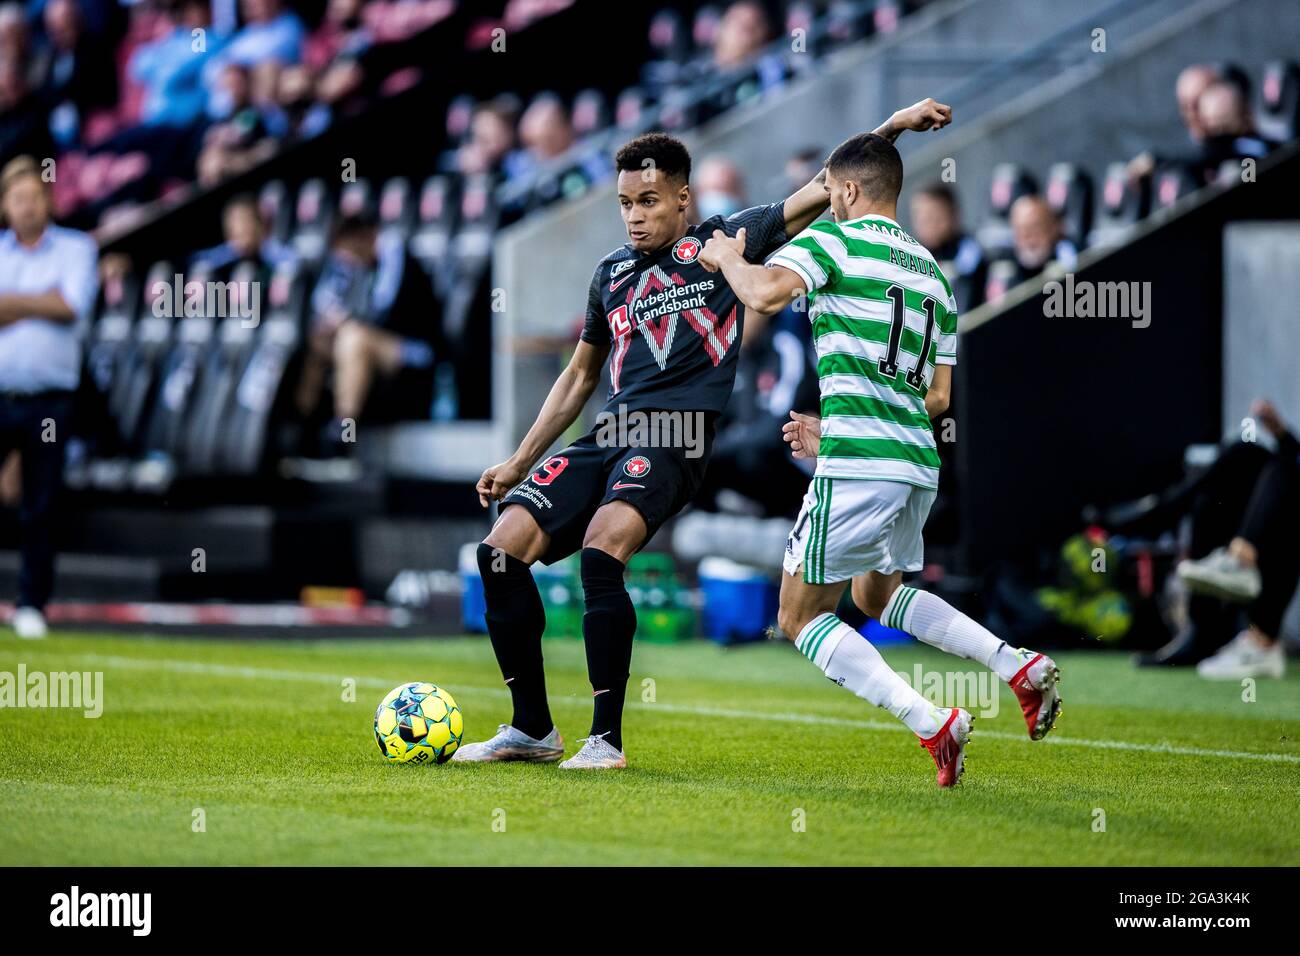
<point>596,754</point>
<point>29,623</point>
<point>1243,656</point>
<point>512,744</point>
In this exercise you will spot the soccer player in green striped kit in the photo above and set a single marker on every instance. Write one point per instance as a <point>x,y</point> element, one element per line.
<point>885,326</point>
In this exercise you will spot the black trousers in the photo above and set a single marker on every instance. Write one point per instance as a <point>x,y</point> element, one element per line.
<point>39,426</point>
<point>1253,493</point>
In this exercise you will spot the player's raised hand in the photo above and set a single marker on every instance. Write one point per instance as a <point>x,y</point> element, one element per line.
<point>929,114</point>
<point>497,481</point>
<point>803,433</point>
<point>719,246</point>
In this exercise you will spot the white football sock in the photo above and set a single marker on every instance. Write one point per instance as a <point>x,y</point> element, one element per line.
<point>939,624</point>
<point>851,661</point>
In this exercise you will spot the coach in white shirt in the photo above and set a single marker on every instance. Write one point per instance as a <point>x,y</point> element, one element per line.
<point>48,281</point>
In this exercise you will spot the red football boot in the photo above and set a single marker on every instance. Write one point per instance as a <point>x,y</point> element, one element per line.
<point>948,746</point>
<point>1040,700</point>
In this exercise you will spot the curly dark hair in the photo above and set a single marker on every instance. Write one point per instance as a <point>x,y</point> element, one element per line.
<point>664,153</point>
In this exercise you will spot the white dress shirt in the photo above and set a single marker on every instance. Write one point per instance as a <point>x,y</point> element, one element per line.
<point>37,354</point>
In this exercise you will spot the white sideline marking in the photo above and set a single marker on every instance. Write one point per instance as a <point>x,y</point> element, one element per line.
<point>270,673</point>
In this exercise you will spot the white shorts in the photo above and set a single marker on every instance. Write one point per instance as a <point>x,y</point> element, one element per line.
<point>849,526</point>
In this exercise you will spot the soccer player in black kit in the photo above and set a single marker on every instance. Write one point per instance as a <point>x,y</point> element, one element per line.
<point>671,331</point>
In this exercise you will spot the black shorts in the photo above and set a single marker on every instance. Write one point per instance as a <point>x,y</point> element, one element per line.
<point>564,491</point>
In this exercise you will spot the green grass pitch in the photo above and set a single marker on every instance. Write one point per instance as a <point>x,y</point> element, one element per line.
<point>737,749</point>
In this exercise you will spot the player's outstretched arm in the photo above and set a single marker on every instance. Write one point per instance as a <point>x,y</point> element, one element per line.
<point>760,288</point>
<point>810,201</point>
<point>560,410</point>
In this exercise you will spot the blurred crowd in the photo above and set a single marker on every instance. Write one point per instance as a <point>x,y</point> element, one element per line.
<point>136,99</point>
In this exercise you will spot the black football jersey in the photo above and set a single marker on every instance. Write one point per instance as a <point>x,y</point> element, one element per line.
<point>673,327</point>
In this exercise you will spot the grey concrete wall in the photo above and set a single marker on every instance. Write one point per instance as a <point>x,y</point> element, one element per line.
<point>1261,327</point>
<point>544,263</point>
<point>1116,104</point>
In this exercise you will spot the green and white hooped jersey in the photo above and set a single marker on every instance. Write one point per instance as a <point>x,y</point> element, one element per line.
<point>883,315</point>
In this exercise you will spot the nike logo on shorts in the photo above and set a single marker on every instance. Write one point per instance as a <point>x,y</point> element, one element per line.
<point>620,485</point>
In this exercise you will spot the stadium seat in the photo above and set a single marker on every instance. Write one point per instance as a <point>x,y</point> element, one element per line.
<point>802,16</point>
<point>1171,184</point>
<point>1069,193</point>
<point>887,14</point>
<point>1124,201</point>
<point>459,113</point>
<point>288,292</point>
<point>357,199</point>
<point>704,28</point>
<point>119,296</point>
<point>435,220</point>
<point>467,315</point>
<point>684,107</point>
<point>849,20</point>
<point>137,375</point>
<point>633,113</point>
<point>180,385</point>
<point>1001,277</point>
<point>668,37</point>
<point>590,113</point>
<point>276,210</point>
<point>1009,182</point>
<point>312,220</point>
<point>107,353</point>
<point>245,440</point>
<point>396,210</point>
<point>1279,116</point>
<point>212,421</point>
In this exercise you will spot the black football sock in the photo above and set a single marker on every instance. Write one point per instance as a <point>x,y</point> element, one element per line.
<point>607,629</point>
<point>515,622</point>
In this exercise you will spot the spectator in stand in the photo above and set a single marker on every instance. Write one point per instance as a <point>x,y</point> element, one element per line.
<point>80,75</point>
<point>1244,513</point>
<point>491,138</point>
<point>246,242</point>
<point>376,327</point>
<point>1191,83</point>
<point>239,142</point>
<point>171,70</point>
<point>1038,238</point>
<point>1228,131</point>
<point>803,166</point>
<point>342,32</point>
<point>742,33</point>
<point>24,126</point>
<point>545,130</point>
<point>719,188</point>
<point>17,47</point>
<point>167,139</point>
<point>271,34</point>
<point>936,224</point>
<point>48,286</point>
